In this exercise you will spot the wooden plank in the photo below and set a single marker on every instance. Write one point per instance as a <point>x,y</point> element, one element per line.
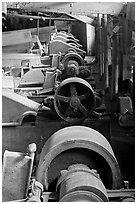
<point>41,17</point>
<point>90,40</point>
<point>18,48</point>
<point>102,43</point>
<point>24,39</point>
<point>7,82</point>
<point>44,32</point>
<point>16,41</point>
<point>130,11</point>
<point>115,65</point>
<point>17,59</point>
<point>16,37</point>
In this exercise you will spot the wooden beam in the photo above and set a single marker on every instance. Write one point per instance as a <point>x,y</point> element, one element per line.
<point>102,42</point>
<point>16,37</point>
<point>83,8</point>
<point>115,66</point>
<point>99,38</point>
<point>106,79</point>
<point>40,17</point>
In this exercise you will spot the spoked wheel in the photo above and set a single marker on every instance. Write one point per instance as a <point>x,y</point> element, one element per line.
<point>74,99</point>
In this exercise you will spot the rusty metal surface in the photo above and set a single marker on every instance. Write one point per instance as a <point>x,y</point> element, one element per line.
<point>82,138</point>
<point>71,55</point>
<point>14,105</point>
<point>79,178</point>
<point>32,77</point>
<point>74,99</point>
<point>16,137</point>
<point>17,169</point>
<point>56,46</point>
<point>36,191</point>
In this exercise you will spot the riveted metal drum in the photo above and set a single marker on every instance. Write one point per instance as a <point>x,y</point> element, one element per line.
<point>78,144</point>
<point>74,99</point>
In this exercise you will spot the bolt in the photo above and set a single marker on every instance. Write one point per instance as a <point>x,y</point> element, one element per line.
<point>126,184</point>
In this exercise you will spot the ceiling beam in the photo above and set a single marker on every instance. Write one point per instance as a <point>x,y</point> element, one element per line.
<point>40,17</point>
<point>81,8</point>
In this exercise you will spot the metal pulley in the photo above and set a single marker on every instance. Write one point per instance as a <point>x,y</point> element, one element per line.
<point>72,68</point>
<point>72,57</point>
<point>74,99</point>
<point>80,184</point>
<point>73,145</point>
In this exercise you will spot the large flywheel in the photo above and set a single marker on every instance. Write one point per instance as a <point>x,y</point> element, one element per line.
<point>74,99</point>
<point>78,145</point>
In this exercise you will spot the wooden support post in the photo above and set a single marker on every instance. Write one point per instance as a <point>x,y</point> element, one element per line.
<point>49,36</point>
<point>98,43</point>
<point>121,46</point>
<point>38,26</point>
<point>102,42</point>
<point>106,78</point>
<point>115,66</point>
<point>100,47</point>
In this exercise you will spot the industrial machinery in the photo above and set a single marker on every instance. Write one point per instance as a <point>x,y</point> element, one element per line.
<point>64,42</point>
<point>57,133</point>
<point>77,164</point>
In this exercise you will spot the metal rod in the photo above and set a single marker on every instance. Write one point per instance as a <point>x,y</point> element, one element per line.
<point>121,193</point>
<point>11,124</point>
